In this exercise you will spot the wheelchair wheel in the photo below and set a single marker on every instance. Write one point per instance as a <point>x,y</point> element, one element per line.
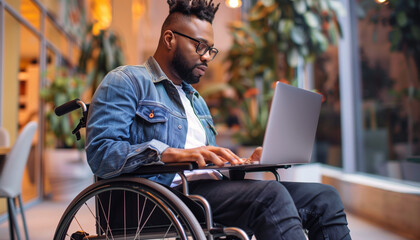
<point>127,208</point>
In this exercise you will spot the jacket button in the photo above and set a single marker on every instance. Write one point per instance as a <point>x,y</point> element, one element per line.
<point>179,127</point>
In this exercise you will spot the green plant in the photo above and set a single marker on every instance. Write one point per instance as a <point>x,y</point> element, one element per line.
<point>268,47</point>
<point>64,88</point>
<point>100,54</point>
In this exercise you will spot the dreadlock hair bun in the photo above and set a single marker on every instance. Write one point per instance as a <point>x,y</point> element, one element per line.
<point>202,9</point>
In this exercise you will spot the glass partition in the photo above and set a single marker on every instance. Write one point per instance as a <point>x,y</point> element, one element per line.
<point>390,89</point>
<point>328,137</point>
<point>50,74</point>
<point>23,73</point>
<point>31,13</point>
<point>10,83</point>
<point>52,6</point>
<point>14,4</point>
<point>29,103</point>
<point>75,54</point>
<point>10,74</point>
<point>56,37</point>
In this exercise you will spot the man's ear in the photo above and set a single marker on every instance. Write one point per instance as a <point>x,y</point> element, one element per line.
<point>169,39</point>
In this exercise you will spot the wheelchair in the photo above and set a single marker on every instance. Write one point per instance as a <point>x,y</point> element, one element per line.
<point>132,207</point>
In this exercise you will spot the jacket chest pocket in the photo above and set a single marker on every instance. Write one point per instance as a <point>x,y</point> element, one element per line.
<point>153,122</point>
<point>209,129</point>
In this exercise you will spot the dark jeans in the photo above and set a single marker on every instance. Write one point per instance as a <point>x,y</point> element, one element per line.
<point>273,210</point>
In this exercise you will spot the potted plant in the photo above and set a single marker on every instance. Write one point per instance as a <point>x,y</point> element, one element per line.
<point>64,88</point>
<point>64,156</point>
<point>268,48</point>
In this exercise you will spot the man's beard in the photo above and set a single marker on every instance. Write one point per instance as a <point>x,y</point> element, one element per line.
<point>184,72</point>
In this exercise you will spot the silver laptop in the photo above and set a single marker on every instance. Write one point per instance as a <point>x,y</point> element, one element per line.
<point>291,126</point>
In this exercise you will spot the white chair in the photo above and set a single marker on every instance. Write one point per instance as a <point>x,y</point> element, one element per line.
<point>11,176</point>
<point>4,138</point>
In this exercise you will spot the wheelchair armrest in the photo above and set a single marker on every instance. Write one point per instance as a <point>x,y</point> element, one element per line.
<point>239,174</point>
<point>166,168</point>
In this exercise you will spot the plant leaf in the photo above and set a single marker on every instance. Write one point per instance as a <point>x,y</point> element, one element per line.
<point>415,30</point>
<point>298,35</point>
<point>300,6</point>
<point>402,19</point>
<point>311,19</point>
<point>293,57</point>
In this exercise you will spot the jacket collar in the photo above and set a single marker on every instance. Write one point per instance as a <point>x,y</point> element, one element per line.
<point>189,89</point>
<point>158,75</point>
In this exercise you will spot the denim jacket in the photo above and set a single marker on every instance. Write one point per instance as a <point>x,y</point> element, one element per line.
<point>135,114</point>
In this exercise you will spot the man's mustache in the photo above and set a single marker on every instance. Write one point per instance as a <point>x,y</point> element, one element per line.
<point>201,64</point>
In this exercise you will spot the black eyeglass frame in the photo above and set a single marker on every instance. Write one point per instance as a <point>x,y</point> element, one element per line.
<point>208,48</point>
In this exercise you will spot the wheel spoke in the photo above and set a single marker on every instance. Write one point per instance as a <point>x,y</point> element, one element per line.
<point>167,231</point>
<point>144,224</point>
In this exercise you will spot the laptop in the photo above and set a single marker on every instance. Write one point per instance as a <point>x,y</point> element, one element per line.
<point>291,126</point>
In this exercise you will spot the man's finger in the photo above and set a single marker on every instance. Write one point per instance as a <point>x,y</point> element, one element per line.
<point>199,159</point>
<point>210,156</point>
<point>256,155</point>
<point>226,154</point>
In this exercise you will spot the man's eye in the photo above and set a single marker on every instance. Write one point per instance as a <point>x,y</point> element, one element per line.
<point>202,47</point>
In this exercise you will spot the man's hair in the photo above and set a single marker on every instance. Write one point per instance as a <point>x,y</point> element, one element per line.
<point>200,8</point>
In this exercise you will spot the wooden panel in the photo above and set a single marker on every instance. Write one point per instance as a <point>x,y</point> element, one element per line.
<point>397,212</point>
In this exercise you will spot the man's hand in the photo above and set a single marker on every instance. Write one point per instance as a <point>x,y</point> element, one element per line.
<point>201,155</point>
<point>256,156</point>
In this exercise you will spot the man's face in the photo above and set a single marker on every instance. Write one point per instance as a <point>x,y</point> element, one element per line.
<point>190,73</point>
<point>186,62</point>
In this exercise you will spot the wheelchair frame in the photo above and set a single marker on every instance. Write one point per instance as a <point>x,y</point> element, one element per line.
<point>188,216</point>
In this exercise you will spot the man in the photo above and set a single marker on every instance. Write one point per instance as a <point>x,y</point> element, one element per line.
<point>150,114</point>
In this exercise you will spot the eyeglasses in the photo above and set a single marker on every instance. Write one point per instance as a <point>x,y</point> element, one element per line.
<point>202,47</point>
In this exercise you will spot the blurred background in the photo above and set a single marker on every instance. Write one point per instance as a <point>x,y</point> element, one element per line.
<point>363,56</point>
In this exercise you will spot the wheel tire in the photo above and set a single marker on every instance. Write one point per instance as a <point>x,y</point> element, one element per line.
<point>182,221</point>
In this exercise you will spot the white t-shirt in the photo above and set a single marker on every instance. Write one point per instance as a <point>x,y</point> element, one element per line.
<point>196,137</point>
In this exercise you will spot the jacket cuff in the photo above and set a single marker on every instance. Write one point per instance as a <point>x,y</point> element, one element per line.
<point>159,147</point>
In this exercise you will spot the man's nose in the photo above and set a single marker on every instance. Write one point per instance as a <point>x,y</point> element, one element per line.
<point>206,57</point>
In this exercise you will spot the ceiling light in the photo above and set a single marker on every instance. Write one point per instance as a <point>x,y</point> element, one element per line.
<point>233,3</point>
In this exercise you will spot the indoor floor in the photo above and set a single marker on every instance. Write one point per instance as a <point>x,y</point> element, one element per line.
<point>42,219</point>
